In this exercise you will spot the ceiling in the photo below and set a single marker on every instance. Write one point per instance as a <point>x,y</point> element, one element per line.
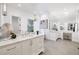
<point>44,7</point>
<point>58,11</point>
<point>26,7</point>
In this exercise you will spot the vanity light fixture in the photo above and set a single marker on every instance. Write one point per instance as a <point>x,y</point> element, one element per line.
<point>4,9</point>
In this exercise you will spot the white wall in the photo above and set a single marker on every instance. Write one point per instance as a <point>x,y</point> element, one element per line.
<point>16,12</point>
<point>55,12</point>
<point>58,13</point>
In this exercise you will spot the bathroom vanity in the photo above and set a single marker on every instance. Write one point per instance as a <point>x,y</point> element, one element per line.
<point>54,35</point>
<point>23,45</point>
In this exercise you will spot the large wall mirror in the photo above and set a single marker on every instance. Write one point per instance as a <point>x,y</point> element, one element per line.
<point>71,27</point>
<point>44,24</point>
<point>30,27</point>
<point>16,24</point>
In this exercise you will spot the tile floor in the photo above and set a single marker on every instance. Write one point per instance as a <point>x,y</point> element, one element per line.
<point>61,47</point>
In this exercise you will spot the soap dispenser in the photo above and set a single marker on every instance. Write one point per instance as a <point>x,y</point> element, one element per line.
<point>37,32</point>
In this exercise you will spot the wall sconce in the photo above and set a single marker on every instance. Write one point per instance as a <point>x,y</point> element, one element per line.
<point>4,9</point>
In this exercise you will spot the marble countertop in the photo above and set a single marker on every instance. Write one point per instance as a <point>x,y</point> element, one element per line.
<point>8,41</point>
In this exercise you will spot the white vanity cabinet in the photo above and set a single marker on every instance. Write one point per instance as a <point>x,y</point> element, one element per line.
<point>27,46</point>
<point>33,46</point>
<point>75,36</point>
<point>54,35</point>
<point>12,49</point>
<point>50,35</point>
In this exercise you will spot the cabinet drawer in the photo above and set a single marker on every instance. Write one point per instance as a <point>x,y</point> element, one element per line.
<point>13,49</point>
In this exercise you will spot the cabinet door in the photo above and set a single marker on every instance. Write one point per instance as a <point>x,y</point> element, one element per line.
<point>26,47</point>
<point>53,36</point>
<point>41,42</point>
<point>37,45</point>
<point>13,49</point>
<point>2,51</point>
<point>75,37</point>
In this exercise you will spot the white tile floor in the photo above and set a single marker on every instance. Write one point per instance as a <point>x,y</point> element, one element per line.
<point>61,47</point>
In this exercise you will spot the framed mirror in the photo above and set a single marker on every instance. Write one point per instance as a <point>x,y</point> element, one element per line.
<point>71,27</point>
<point>61,27</point>
<point>16,24</point>
<point>55,28</point>
<point>44,24</point>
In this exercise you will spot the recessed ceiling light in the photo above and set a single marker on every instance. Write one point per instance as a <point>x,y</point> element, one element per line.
<point>19,5</point>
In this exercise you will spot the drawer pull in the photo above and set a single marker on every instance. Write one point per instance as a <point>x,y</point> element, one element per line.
<point>11,48</point>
